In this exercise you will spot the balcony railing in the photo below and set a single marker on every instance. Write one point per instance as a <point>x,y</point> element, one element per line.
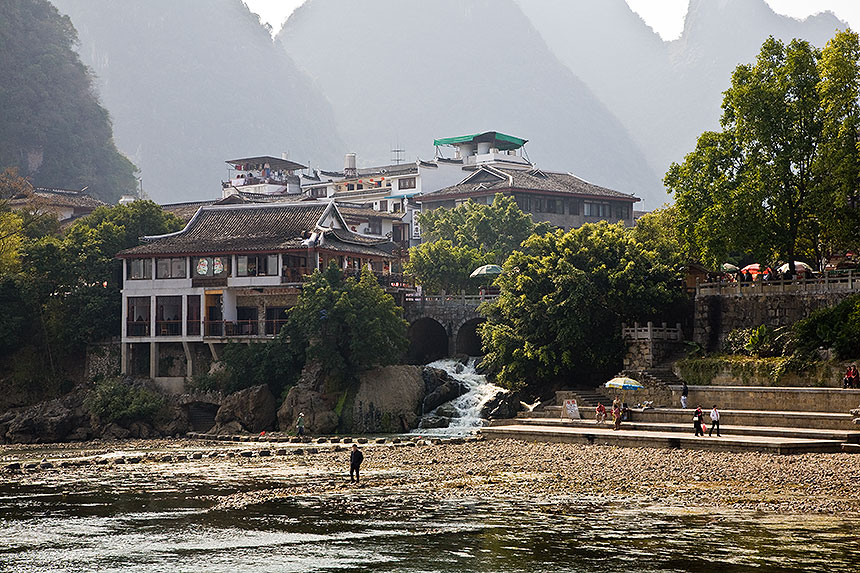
<point>137,328</point>
<point>839,281</point>
<point>229,328</point>
<point>168,327</point>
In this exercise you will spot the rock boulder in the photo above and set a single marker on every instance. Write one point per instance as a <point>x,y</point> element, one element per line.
<point>308,397</point>
<point>254,408</point>
<point>388,400</point>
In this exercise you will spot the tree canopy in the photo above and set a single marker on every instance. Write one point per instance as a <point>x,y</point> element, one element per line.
<point>461,239</point>
<point>348,325</point>
<point>563,298</point>
<point>54,129</point>
<point>65,291</point>
<point>780,180</point>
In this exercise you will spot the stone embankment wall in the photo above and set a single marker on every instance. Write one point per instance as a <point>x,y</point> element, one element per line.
<point>834,400</point>
<point>717,315</point>
<point>734,371</point>
<point>103,359</point>
<point>644,354</point>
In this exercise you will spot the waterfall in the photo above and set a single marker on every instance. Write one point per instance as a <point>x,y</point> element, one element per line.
<point>468,406</point>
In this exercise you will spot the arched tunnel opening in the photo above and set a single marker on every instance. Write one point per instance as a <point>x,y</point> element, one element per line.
<point>468,339</point>
<point>428,341</point>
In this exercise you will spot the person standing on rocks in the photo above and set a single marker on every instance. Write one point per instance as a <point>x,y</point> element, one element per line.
<point>715,421</point>
<point>698,421</point>
<point>684,393</point>
<point>300,424</point>
<point>355,459</point>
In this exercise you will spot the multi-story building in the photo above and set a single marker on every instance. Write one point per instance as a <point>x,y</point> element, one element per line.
<point>561,199</point>
<point>229,275</point>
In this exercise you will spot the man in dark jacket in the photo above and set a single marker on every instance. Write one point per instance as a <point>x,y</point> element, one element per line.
<point>355,459</point>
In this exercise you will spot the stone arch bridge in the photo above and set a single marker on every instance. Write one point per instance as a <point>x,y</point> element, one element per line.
<point>443,325</point>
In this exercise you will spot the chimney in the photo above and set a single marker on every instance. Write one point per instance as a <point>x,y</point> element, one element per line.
<point>349,169</point>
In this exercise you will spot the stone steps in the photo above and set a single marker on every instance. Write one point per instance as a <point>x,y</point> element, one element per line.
<point>770,431</point>
<point>656,439</point>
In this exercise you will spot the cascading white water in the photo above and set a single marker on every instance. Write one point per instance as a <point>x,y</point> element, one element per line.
<point>469,405</point>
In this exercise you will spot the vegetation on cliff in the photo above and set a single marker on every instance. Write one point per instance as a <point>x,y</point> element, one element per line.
<point>54,128</point>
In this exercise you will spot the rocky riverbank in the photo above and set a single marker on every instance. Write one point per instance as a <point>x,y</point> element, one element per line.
<point>552,474</point>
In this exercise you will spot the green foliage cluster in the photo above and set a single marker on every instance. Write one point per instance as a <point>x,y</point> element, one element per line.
<point>761,341</point>
<point>54,129</point>
<point>782,177</point>
<point>459,240</point>
<point>65,291</point>
<point>348,325</point>
<point>836,328</point>
<point>275,363</point>
<point>115,400</point>
<point>563,299</point>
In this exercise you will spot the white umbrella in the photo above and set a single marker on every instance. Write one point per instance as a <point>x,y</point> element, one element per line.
<point>798,266</point>
<point>486,271</point>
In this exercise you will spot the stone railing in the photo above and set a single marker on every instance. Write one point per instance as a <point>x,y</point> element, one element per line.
<point>844,281</point>
<point>468,300</point>
<point>651,332</point>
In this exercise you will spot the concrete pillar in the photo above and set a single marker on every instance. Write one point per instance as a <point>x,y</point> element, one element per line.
<point>153,359</point>
<point>124,358</point>
<point>189,363</point>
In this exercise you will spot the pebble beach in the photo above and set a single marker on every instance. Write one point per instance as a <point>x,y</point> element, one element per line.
<point>545,473</point>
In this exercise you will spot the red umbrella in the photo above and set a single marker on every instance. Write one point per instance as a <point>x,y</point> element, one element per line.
<point>754,269</point>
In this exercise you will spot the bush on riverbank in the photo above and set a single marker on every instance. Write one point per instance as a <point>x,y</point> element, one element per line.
<point>115,400</point>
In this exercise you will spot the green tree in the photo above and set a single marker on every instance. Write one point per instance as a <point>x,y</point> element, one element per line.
<point>348,325</point>
<point>562,302</point>
<point>765,185</point>
<point>470,235</point>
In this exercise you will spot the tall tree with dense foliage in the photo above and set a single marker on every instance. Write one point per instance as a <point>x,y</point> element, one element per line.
<point>67,289</point>
<point>349,324</point>
<point>470,235</point>
<point>563,298</point>
<point>54,129</point>
<point>767,183</point>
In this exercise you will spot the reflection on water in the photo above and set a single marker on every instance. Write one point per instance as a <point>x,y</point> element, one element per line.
<point>125,523</point>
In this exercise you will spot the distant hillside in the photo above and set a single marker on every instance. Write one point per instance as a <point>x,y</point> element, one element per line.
<point>192,83</point>
<point>403,72</point>
<point>665,93</point>
<point>52,127</point>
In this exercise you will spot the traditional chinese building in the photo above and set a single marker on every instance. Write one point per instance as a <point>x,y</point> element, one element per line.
<point>229,275</point>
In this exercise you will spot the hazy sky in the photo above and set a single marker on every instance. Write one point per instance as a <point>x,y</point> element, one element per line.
<point>665,16</point>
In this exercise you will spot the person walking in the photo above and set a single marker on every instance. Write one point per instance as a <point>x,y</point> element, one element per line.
<point>715,421</point>
<point>355,459</point>
<point>698,421</point>
<point>300,425</point>
<point>684,393</point>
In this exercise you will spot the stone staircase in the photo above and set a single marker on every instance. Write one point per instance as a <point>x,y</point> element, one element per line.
<point>770,419</point>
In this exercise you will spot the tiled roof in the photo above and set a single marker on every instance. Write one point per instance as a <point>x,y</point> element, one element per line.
<point>186,210</point>
<point>365,212</point>
<point>382,170</point>
<point>58,198</point>
<point>238,228</point>
<point>487,180</point>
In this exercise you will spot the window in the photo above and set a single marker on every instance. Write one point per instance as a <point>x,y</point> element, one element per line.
<point>173,268</point>
<point>139,268</point>
<point>406,183</point>
<point>574,206</point>
<point>523,202</point>
<point>383,206</point>
<point>256,265</point>
<point>622,211</point>
<point>595,209</point>
<point>550,205</point>
<point>374,225</point>
<point>211,266</point>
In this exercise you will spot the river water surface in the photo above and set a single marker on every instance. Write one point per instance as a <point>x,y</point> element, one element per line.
<point>135,520</point>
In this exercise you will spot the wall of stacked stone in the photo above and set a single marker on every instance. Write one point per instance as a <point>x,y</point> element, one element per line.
<point>643,354</point>
<point>103,359</point>
<point>715,316</point>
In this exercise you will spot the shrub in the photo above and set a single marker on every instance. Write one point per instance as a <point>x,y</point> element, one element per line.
<point>836,327</point>
<point>115,400</point>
